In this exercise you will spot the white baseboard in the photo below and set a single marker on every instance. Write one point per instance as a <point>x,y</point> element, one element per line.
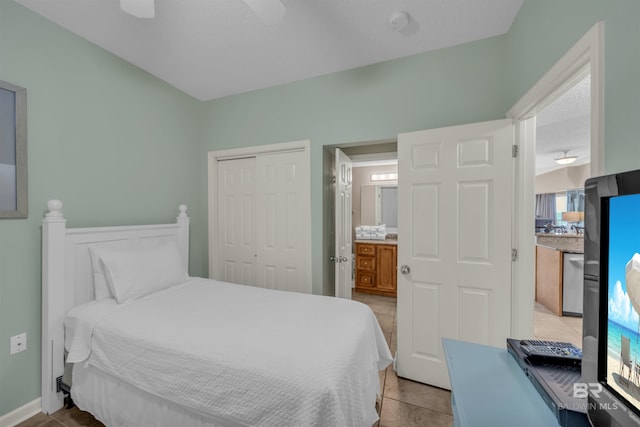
<point>22,413</point>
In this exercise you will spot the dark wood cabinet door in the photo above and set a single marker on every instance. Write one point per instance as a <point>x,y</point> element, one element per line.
<point>386,258</point>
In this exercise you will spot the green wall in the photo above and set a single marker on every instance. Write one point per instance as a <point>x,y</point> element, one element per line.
<point>118,146</point>
<point>115,144</point>
<point>456,85</point>
<point>545,29</point>
<point>473,82</point>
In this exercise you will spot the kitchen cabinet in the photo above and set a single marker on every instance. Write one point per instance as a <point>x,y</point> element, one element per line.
<point>549,278</point>
<point>559,280</point>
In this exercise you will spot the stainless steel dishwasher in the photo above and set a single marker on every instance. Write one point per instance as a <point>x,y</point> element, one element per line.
<point>572,284</point>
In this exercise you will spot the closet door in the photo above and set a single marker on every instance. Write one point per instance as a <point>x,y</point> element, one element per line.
<point>237,220</point>
<point>283,236</point>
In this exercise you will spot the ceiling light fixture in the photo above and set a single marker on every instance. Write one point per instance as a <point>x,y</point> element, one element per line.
<point>564,159</point>
<point>384,177</point>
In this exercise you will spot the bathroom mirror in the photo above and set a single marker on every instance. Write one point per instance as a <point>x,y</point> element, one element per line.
<point>387,206</point>
<point>379,205</point>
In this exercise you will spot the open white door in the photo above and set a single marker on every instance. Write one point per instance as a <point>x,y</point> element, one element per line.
<point>343,257</point>
<point>454,252</point>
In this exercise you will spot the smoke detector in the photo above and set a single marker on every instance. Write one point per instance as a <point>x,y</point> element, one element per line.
<point>399,21</point>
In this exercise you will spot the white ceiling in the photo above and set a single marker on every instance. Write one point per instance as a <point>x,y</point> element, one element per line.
<point>565,125</point>
<point>214,48</point>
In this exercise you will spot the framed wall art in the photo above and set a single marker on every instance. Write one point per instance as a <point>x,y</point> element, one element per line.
<point>13,151</point>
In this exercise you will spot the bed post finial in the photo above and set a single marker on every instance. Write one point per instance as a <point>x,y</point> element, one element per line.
<point>55,209</point>
<point>183,212</point>
<point>183,238</point>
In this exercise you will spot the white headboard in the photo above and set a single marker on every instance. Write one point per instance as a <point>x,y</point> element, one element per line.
<point>67,278</point>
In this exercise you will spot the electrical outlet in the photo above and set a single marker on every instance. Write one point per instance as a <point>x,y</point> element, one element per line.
<point>18,343</point>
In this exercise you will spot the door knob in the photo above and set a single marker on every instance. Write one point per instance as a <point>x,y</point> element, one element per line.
<point>343,259</point>
<point>404,269</point>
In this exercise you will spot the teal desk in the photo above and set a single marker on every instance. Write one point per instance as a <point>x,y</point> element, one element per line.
<point>488,388</point>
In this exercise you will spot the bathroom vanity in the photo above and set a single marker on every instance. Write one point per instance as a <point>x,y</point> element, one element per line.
<point>376,266</point>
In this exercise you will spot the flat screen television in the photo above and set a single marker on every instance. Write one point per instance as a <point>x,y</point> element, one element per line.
<point>611,328</point>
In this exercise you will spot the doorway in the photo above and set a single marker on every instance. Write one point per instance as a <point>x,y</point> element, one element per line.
<point>375,231</point>
<point>382,154</point>
<point>563,156</point>
<point>373,175</point>
<point>562,165</point>
<point>584,59</point>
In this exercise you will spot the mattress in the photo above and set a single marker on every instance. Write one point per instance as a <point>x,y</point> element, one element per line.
<point>237,354</point>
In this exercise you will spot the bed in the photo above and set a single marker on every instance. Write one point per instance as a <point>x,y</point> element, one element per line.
<point>150,345</point>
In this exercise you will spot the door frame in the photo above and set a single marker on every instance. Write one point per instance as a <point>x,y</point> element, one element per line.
<point>212,183</point>
<point>585,57</point>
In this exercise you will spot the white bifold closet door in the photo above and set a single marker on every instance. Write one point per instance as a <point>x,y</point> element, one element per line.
<point>263,221</point>
<point>237,220</point>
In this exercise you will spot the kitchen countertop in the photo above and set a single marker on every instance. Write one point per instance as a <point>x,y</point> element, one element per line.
<point>561,235</point>
<point>379,242</point>
<point>571,243</point>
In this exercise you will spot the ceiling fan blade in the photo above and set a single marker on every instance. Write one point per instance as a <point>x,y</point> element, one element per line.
<point>139,8</point>
<point>269,11</point>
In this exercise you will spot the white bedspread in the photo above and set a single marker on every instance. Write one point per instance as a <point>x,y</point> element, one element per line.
<point>245,356</point>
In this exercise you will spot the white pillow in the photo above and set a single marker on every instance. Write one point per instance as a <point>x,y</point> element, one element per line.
<point>135,272</point>
<point>100,285</point>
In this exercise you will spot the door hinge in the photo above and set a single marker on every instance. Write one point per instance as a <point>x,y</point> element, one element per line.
<point>514,151</point>
<point>514,254</point>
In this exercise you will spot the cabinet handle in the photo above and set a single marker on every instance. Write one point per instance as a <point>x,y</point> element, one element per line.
<point>404,269</point>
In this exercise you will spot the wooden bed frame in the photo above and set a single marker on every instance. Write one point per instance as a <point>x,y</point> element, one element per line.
<point>67,279</point>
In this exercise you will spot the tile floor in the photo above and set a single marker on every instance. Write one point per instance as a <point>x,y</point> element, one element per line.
<point>548,326</point>
<point>404,403</point>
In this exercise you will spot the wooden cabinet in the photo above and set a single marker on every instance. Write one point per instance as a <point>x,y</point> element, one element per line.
<point>549,279</point>
<point>376,268</point>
